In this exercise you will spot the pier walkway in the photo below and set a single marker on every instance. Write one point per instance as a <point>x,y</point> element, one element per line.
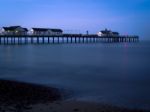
<point>64,38</point>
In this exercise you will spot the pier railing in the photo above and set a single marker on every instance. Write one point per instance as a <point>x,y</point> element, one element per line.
<point>64,38</point>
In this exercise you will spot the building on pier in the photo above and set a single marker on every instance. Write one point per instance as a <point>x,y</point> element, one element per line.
<point>46,31</point>
<point>14,30</point>
<point>107,32</point>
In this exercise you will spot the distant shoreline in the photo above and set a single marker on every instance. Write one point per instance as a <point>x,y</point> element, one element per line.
<point>18,96</point>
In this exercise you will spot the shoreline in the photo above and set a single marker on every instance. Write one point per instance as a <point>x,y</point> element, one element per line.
<point>26,97</point>
<point>79,106</point>
<point>20,95</point>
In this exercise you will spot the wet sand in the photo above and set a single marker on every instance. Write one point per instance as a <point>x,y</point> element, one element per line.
<point>78,106</point>
<point>23,97</point>
<point>18,96</point>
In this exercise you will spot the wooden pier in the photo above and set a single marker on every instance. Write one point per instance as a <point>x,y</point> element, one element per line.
<point>64,38</point>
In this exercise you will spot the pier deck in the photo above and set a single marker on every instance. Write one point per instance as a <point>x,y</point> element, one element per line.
<point>64,38</point>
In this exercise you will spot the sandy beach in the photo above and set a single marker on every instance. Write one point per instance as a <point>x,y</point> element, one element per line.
<point>77,106</point>
<point>18,96</point>
<point>23,97</point>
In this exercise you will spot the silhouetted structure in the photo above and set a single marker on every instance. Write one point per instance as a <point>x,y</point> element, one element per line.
<point>20,35</point>
<point>64,38</point>
<point>14,30</point>
<point>107,32</point>
<point>46,31</point>
<point>87,32</point>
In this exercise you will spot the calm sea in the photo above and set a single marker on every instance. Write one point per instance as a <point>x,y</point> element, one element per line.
<point>115,73</point>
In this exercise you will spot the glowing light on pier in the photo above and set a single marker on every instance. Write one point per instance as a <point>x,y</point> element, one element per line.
<point>99,33</point>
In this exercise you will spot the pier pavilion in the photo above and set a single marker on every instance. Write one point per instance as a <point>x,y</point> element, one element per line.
<point>14,30</point>
<point>46,31</point>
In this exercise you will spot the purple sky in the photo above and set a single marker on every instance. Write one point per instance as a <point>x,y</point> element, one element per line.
<point>125,16</point>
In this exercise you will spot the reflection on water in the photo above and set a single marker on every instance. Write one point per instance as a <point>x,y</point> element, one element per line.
<point>110,73</point>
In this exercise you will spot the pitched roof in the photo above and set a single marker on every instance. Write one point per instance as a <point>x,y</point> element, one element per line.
<point>115,33</point>
<point>40,29</point>
<point>11,28</point>
<point>56,30</point>
<point>106,31</point>
<point>46,29</point>
<point>25,29</point>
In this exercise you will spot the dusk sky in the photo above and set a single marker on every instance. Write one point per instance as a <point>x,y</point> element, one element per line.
<point>124,16</point>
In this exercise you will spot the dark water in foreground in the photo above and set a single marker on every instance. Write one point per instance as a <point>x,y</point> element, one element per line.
<point>117,74</point>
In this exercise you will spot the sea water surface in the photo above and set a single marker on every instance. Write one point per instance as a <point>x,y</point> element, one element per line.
<point>113,73</point>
